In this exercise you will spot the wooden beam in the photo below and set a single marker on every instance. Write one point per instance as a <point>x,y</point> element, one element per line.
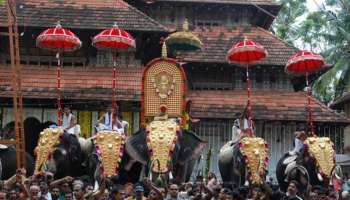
<point>8,142</point>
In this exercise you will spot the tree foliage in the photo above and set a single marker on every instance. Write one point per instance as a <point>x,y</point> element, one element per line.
<point>287,19</point>
<point>326,30</point>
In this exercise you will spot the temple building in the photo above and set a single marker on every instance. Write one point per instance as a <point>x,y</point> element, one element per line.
<point>216,88</point>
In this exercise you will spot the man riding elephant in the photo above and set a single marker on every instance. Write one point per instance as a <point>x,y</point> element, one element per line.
<point>311,162</point>
<point>243,160</point>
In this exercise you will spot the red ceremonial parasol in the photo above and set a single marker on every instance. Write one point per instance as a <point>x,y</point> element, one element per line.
<point>115,40</point>
<point>59,40</point>
<point>245,53</point>
<point>306,62</point>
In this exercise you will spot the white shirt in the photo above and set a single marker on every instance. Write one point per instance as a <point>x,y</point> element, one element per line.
<point>66,120</point>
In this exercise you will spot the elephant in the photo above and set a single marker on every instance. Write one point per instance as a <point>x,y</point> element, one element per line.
<point>104,154</point>
<point>185,150</point>
<point>8,162</point>
<point>244,162</point>
<point>63,158</point>
<point>314,165</point>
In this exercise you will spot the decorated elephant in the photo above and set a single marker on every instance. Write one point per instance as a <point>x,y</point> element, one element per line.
<point>164,145</point>
<point>8,162</point>
<point>315,165</point>
<point>103,154</point>
<point>164,149</point>
<point>244,161</point>
<point>59,153</point>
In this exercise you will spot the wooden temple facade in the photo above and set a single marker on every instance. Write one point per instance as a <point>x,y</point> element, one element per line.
<point>216,88</point>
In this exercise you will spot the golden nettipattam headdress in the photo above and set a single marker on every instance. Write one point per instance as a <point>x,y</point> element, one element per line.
<point>255,152</point>
<point>161,140</point>
<point>321,148</point>
<point>47,140</point>
<point>110,147</point>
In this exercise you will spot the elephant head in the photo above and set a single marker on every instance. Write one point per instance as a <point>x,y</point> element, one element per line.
<point>255,154</point>
<point>166,148</point>
<point>316,166</point>
<point>321,150</point>
<point>59,152</point>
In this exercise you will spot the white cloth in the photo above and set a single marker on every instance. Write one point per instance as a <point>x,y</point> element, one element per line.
<point>298,145</point>
<point>66,122</point>
<point>48,196</point>
<point>107,125</point>
<point>236,134</point>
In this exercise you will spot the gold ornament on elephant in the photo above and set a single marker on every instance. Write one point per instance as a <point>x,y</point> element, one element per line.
<point>255,151</point>
<point>321,148</point>
<point>110,149</point>
<point>161,141</point>
<point>47,140</point>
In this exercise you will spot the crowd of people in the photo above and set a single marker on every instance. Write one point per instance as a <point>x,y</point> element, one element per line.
<point>45,187</point>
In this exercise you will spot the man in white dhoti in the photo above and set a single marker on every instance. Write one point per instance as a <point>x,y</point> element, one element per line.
<point>111,121</point>
<point>69,122</point>
<point>105,121</point>
<point>300,137</point>
<point>239,125</point>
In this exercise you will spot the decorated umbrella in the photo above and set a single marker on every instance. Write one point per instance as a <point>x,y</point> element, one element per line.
<point>58,40</point>
<point>306,62</point>
<point>183,40</point>
<point>245,53</point>
<point>115,40</point>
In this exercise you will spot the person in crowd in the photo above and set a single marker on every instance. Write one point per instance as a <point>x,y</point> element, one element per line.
<point>69,122</point>
<point>345,195</point>
<point>346,183</point>
<point>129,189</point>
<point>173,192</point>
<point>3,195</point>
<point>55,193</point>
<point>139,193</point>
<point>212,181</point>
<point>44,188</point>
<point>78,191</point>
<point>293,191</point>
<point>34,192</point>
<point>256,194</point>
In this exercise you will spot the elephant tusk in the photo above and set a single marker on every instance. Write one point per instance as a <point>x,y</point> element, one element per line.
<point>319,176</point>
<point>289,167</point>
<point>171,175</point>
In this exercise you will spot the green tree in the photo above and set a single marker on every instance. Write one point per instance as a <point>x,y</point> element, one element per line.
<point>327,31</point>
<point>286,23</point>
<point>336,37</point>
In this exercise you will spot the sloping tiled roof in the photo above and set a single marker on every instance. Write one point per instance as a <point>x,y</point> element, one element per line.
<point>81,14</point>
<point>77,83</point>
<point>218,40</point>
<point>267,105</point>
<point>244,2</point>
<point>95,84</point>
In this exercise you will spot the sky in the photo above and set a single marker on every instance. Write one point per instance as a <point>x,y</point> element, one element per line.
<point>311,4</point>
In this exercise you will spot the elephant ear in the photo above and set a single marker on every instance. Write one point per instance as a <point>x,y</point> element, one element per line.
<point>191,146</point>
<point>136,147</point>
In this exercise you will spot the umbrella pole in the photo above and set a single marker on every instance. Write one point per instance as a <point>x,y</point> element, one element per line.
<point>311,125</point>
<point>59,106</point>
<point>114,85</point>
<point>249,109</point>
